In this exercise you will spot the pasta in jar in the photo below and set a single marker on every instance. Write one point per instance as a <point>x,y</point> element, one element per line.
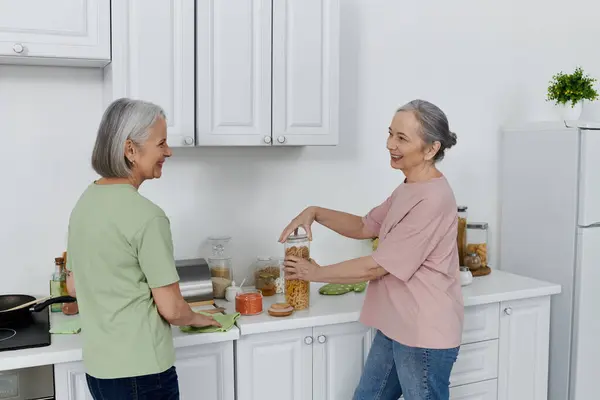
<point>297,292</point>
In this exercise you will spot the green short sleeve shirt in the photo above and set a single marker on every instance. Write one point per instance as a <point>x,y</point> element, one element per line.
<point>119,248</point>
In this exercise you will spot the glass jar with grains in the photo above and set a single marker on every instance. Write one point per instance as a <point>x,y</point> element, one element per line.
<point>297,292</point>
<point>221,275</point>
<point>461,239</point>
<point>266,272</point>
<point>477,240</point>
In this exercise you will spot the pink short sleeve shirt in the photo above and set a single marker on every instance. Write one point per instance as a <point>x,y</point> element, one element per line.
<point>419,303</point>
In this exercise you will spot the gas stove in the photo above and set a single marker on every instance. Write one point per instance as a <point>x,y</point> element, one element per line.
<point>36,334</point>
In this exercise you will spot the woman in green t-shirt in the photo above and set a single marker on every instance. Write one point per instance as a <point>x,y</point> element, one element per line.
<point>121,262</point>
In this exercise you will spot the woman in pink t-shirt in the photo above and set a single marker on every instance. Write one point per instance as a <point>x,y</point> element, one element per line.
<point>414,297</point>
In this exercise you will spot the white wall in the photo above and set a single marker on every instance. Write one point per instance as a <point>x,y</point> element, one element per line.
<point>484,63</point>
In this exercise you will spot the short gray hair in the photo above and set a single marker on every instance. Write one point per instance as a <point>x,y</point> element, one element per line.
<point>434,125</point>
<point>123,119</point>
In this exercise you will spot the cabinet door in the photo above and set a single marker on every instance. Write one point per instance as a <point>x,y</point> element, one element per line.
<point>523,354</point>
<point>66,32</point>
<point>486,390</point>
<point>306,36</point>
<point>153,60</point>
<point>275,366</point>
<point>233,72</point>
<point>206,371</point>
<point>339,354</point>
<point>70,382</point>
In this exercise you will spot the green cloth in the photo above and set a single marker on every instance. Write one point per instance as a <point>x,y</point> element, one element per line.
<point>119,248</point>
<point>72,325</point>
<point>227,322</point>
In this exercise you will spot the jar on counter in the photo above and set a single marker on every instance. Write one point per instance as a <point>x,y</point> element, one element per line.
<point>461,239</point>
<point>221,275</point>
<point>477,240</point>
<point>249,302</point>
<point>297,292</point>
<point>280,282</point>
<point>266,272</point>
<point>472,261</point>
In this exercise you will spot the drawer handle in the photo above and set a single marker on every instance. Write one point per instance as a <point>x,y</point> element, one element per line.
<point>308,340</point>
<point>321,339</point>
<point>508,311</point>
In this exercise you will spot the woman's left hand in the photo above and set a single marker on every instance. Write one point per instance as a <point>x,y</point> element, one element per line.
<point>300,268</point>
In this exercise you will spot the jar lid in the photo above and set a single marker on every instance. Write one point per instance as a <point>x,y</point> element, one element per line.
<point>477,225</point>
<point>298,237</point>
<point>462,208</point>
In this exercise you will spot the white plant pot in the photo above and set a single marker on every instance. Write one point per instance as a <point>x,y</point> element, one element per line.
<point>569,113</point>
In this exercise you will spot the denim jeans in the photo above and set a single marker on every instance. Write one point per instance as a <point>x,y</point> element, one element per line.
<point>163,386</point>
<point>393,369</point>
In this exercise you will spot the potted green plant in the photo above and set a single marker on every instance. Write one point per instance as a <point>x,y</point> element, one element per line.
<point>568,91</point>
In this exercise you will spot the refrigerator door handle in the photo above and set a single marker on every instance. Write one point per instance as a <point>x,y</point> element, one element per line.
<point>594,225</point>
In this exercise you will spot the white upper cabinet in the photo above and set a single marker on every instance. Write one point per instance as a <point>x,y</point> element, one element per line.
<point>267,72</point>
<point>153,60</point>
<point>233,88</point>
<point>65,32</point>
<point>306,35</point>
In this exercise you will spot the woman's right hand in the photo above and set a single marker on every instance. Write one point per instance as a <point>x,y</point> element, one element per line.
<point>201,321</point>
<point>303,220</point>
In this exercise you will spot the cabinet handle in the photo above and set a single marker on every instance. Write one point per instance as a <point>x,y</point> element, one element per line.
<point>188,140</point>
<point>508,311</point>
<point>281,139</point>
<point>18,48</point>
<point>322,339</point>
<point>267,139</point>
<point>308,340</point>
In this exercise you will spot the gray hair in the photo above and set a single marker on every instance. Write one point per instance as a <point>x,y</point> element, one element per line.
<point>434,125</point>
<point>123,119</point>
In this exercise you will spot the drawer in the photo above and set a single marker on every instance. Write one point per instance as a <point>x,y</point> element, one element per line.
<point>487,390</point>
<point>476,362</point>
<point>481,323</point>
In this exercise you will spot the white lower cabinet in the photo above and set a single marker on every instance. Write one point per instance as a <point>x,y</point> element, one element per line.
<point>310,363</point>
<point>503,356</point>
<point>206,369</point>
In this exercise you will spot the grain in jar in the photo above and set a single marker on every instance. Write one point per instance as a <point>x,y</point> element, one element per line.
<point>461,239</point>
<point>297,292</point>
<point>477,240</point>
<point>220,274</point>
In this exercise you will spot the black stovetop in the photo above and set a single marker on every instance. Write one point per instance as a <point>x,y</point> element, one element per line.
<point>36,334</point>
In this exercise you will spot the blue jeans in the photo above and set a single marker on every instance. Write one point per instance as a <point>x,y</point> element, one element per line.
<point>163,386</point>
<point>393,369</point>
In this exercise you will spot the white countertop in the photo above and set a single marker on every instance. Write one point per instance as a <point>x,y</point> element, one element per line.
<point>67,347</point>
<point>324,310</point>
<point>328,310</point>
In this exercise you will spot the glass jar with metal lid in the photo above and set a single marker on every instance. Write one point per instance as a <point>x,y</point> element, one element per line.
<point>297,292</point>
<point>461,239</point>
<point>477,241</point>
<point>266,272</point>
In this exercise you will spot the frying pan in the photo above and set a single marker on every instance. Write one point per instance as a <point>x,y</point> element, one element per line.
<point>23,317</point>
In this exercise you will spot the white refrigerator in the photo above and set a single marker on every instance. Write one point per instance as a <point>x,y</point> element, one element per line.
<point>549,175</point>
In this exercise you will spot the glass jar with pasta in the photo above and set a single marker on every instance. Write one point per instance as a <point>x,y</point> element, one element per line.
<point>477,240</point>
<point>297,292</point>
<point>461,240</point>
